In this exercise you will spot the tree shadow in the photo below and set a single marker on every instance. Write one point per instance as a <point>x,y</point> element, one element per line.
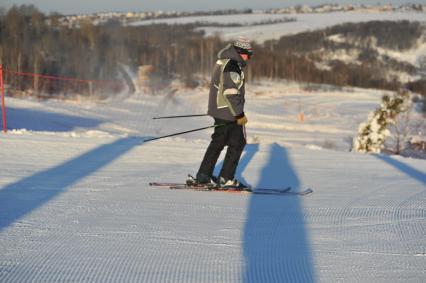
<point>33,120</point>
<point>410,171</point>
<point>30,193</point>
<point>275,241</point>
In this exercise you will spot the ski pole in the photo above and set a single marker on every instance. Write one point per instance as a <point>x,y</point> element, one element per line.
<point>180,116</point>
<point>185,132</point>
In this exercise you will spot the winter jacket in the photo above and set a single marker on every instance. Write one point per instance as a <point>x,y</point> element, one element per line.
<point>226,97</point>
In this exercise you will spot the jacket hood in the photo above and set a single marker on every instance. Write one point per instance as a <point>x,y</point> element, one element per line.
<point>229,52</point>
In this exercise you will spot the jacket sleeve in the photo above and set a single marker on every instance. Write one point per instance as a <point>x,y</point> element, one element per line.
<point>233,90</point>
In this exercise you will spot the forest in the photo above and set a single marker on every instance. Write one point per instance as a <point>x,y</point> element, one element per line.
<point>33,42</point>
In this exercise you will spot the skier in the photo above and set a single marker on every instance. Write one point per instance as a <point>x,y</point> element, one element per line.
<point>226,106</point>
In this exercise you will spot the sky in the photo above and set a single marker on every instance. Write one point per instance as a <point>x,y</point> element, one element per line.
<point>90,6</point>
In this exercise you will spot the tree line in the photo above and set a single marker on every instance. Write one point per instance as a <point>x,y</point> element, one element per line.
<point>31,41</point>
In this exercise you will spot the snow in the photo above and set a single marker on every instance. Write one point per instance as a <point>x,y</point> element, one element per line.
<point>414,56</point>
<point>75,205</point>
<point>304,22</point>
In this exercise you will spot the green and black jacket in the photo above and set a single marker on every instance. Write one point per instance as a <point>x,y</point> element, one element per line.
<point>226,98</point>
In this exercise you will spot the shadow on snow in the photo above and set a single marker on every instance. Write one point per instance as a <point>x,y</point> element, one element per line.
<point>275,241</point>
<point>46,121</point>
<point>30,193</point>
<point>249,151</point>
<point>408,170</point>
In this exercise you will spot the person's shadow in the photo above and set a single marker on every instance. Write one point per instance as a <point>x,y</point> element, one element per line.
<point>275,240</point>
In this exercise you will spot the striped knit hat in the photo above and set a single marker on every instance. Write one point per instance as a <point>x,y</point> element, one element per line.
<point>243,45</point>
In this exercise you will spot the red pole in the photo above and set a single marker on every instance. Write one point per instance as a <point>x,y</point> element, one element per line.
<point>3,108</point>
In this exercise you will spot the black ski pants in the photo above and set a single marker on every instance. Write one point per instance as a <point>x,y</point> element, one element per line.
<point>230,134</point>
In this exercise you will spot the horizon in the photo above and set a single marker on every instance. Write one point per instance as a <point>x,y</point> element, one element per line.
<point>99,6</point>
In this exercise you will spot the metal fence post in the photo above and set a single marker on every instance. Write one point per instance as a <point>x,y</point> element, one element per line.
<point>3,107</point>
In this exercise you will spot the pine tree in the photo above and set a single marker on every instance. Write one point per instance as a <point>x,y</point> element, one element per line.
<point>372,134</point>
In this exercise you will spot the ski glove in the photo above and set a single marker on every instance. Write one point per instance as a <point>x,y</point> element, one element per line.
<point>242,120</point>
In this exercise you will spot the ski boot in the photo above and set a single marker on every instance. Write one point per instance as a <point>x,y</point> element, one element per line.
<point>203,182</point>
<point>232,185</point>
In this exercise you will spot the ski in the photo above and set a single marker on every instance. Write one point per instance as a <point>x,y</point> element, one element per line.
<point>259,191</point>
<point>301,193</point>
<point>211,189</point>
<point>162,184</point>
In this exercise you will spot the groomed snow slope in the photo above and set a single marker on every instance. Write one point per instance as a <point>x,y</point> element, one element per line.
<point>75,205</point>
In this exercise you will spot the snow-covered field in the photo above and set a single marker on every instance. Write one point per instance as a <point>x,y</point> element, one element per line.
<point>304,22</point>
<point>75,205</point>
